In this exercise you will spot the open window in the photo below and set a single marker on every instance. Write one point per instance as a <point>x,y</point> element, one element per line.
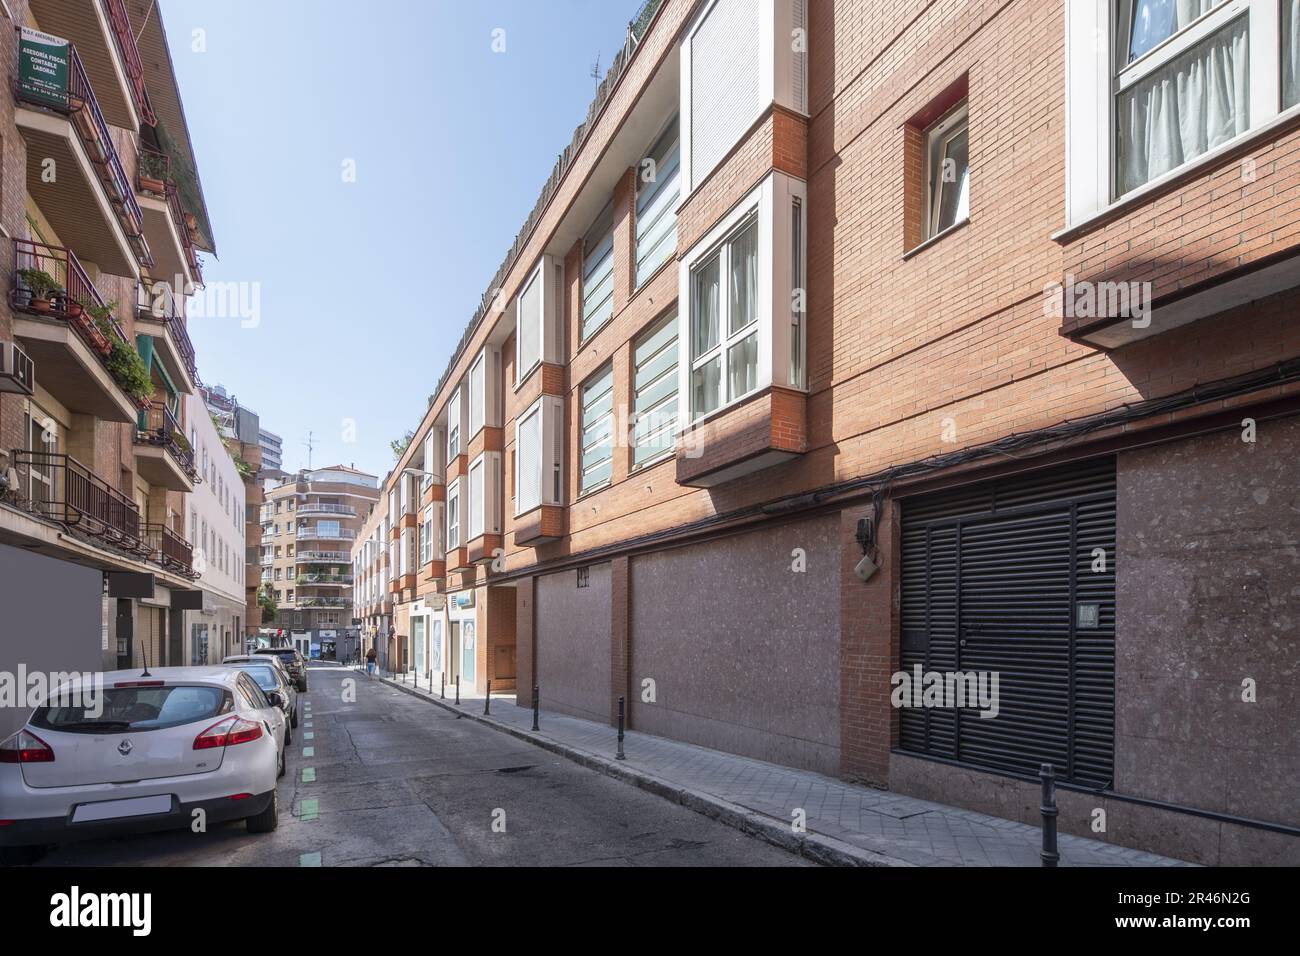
<point>948,172</point>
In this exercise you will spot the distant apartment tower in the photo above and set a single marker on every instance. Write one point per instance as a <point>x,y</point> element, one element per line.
<point>308,526</point>
<point>272,452</point>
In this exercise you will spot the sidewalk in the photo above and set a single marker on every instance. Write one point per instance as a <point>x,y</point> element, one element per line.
<point>847,824</point>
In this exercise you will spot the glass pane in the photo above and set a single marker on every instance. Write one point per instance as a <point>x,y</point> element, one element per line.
<point>1290,53</point>
<point>742,367</point>
<point>1193,104</point>
<point>528,495</point>
<point>1155,21</point>
<point>704,308</point>
<point>530,326</point>
<point>952,175</point>
<point>704,387</point>
<point>743,285</point>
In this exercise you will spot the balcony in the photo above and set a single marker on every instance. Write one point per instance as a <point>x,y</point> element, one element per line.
<point>69,347</point>
<point>169,550</point>
<point>166,225</point>
<point>313,534</point>
<point>323,602</point>
<point>324,581</point>
<point>92,206</point>
<point>102,32</point>
<point>157,315</point>
<point>163,456</point>
<point>319,508</point>
<point>322,557</point>
<point>62,489</point>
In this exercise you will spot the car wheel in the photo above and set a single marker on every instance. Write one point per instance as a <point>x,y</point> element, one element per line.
<point>280,772</point>
<point>302,686</point>
<point>288,732</point>
<point>20,855</point>
<point>268,819</point>
<point>294,720</point>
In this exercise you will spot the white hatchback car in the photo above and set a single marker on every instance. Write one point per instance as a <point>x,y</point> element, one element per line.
<point>145,754</point>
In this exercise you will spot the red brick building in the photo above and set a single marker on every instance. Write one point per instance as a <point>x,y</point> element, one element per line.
<point>102,220</point>
<point>853,338</point>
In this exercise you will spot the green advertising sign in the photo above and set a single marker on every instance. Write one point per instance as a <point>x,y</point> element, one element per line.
<point>43,68</point>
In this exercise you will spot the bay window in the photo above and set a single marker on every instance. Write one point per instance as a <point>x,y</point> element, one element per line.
<point>597,443</point>
<point>538,314</point>
<point>724,333</point>
<point>453,515</point>
<point>453,425</point>
<point>1177,81</point>
<point>475,500</point>
<point>539,455</point>
<point>743,326</point>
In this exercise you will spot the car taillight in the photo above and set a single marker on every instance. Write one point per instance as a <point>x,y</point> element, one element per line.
<point>227,733</point>
<point>26,747</point>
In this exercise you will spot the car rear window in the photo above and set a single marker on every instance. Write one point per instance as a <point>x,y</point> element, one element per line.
<point>136,709</point>
<point>264,676</point>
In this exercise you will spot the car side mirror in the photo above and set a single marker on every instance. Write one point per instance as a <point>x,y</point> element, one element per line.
<point>275,699</point>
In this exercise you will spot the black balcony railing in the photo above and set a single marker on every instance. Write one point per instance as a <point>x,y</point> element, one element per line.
<point>62,489</point>
<point>71,302</point>
<point>126,46</point>
<point>169,549</point>
<point>158,426</point>
<point>81,106</point>
<point>160,304</point>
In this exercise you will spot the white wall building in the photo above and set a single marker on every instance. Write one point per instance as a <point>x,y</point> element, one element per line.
<point>216,528</point>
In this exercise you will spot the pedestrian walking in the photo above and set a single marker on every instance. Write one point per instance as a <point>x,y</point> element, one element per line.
<point>370,661</point>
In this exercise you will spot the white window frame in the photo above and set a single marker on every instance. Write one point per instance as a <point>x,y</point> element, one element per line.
<point>720,351</point>
<point>477,382</point>
<point>430,442</point>
<point>533,411</point>
<point>475,497</point>
<point>455,443</point>
<point>453,515</point>
<point>549,271</point>
<point>1093,88</point>
<point>937,139</point>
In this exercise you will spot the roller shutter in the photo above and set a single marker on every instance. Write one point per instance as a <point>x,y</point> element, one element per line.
<point>1000,577</point>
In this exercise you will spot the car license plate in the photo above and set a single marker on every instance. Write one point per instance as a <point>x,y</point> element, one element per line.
<point>115,809</point>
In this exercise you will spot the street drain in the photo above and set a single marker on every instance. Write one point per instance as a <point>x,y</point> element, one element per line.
<point>514,769</point>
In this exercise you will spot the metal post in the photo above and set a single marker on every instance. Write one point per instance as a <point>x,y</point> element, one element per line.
<point>457,690</point>
<point>536,706</point>
<point>1049,854</point>
<point>487,700</point>
<point>620,755</point>
<point>442,694</point>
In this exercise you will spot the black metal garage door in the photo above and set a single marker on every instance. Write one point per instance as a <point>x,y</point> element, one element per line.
<point>1001,577</point>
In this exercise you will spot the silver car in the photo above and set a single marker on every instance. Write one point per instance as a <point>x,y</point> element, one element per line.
<point>141,752</point>
<point>288,689</point>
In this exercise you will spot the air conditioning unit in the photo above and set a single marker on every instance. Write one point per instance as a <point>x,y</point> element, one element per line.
<point>17,372</point>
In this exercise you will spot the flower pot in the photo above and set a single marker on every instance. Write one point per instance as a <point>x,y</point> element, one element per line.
<point>40,305</point>
<point>74,308</point>
<point>152,185</point>
<point>100,342</point>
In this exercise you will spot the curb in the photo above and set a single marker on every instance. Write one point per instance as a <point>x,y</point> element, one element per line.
<point>817,847</point>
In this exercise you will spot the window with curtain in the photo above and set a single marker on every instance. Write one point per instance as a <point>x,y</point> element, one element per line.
<point>654,391</point>
<point>658,189</point>
<point>724,347</point>
<point>1182,83</point>
<point>598,273</point>
<point>528,461</point>
<point>597,430</point>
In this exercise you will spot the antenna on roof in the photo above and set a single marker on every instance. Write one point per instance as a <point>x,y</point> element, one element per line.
<point>595,70</point>
<point>144,652</point>
<point>310,447</point>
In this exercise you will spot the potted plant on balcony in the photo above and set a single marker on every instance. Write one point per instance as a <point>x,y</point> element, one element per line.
<point>99,325</point>
<point>129,371</point>
<point>153,173</point>
<point>41,287</point>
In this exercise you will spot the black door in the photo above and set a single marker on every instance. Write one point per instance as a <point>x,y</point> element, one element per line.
<point>1017,578</point>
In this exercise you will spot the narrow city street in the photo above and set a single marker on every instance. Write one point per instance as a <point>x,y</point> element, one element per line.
<point>391,781</point>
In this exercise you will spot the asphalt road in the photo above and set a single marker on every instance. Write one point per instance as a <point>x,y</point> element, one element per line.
<point>399,782</point>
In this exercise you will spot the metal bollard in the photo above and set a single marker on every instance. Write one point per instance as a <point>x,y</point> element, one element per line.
<point>537,702</point>
<point>487,700</point>
<point>442,694</point>
<point>457,690</point>
<point>1049,853</point>
<point>620,755</point>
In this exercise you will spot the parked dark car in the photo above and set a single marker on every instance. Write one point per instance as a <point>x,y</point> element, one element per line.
<point>293,661</point>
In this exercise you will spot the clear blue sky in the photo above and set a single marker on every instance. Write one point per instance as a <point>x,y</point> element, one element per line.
<point>370,284</point>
